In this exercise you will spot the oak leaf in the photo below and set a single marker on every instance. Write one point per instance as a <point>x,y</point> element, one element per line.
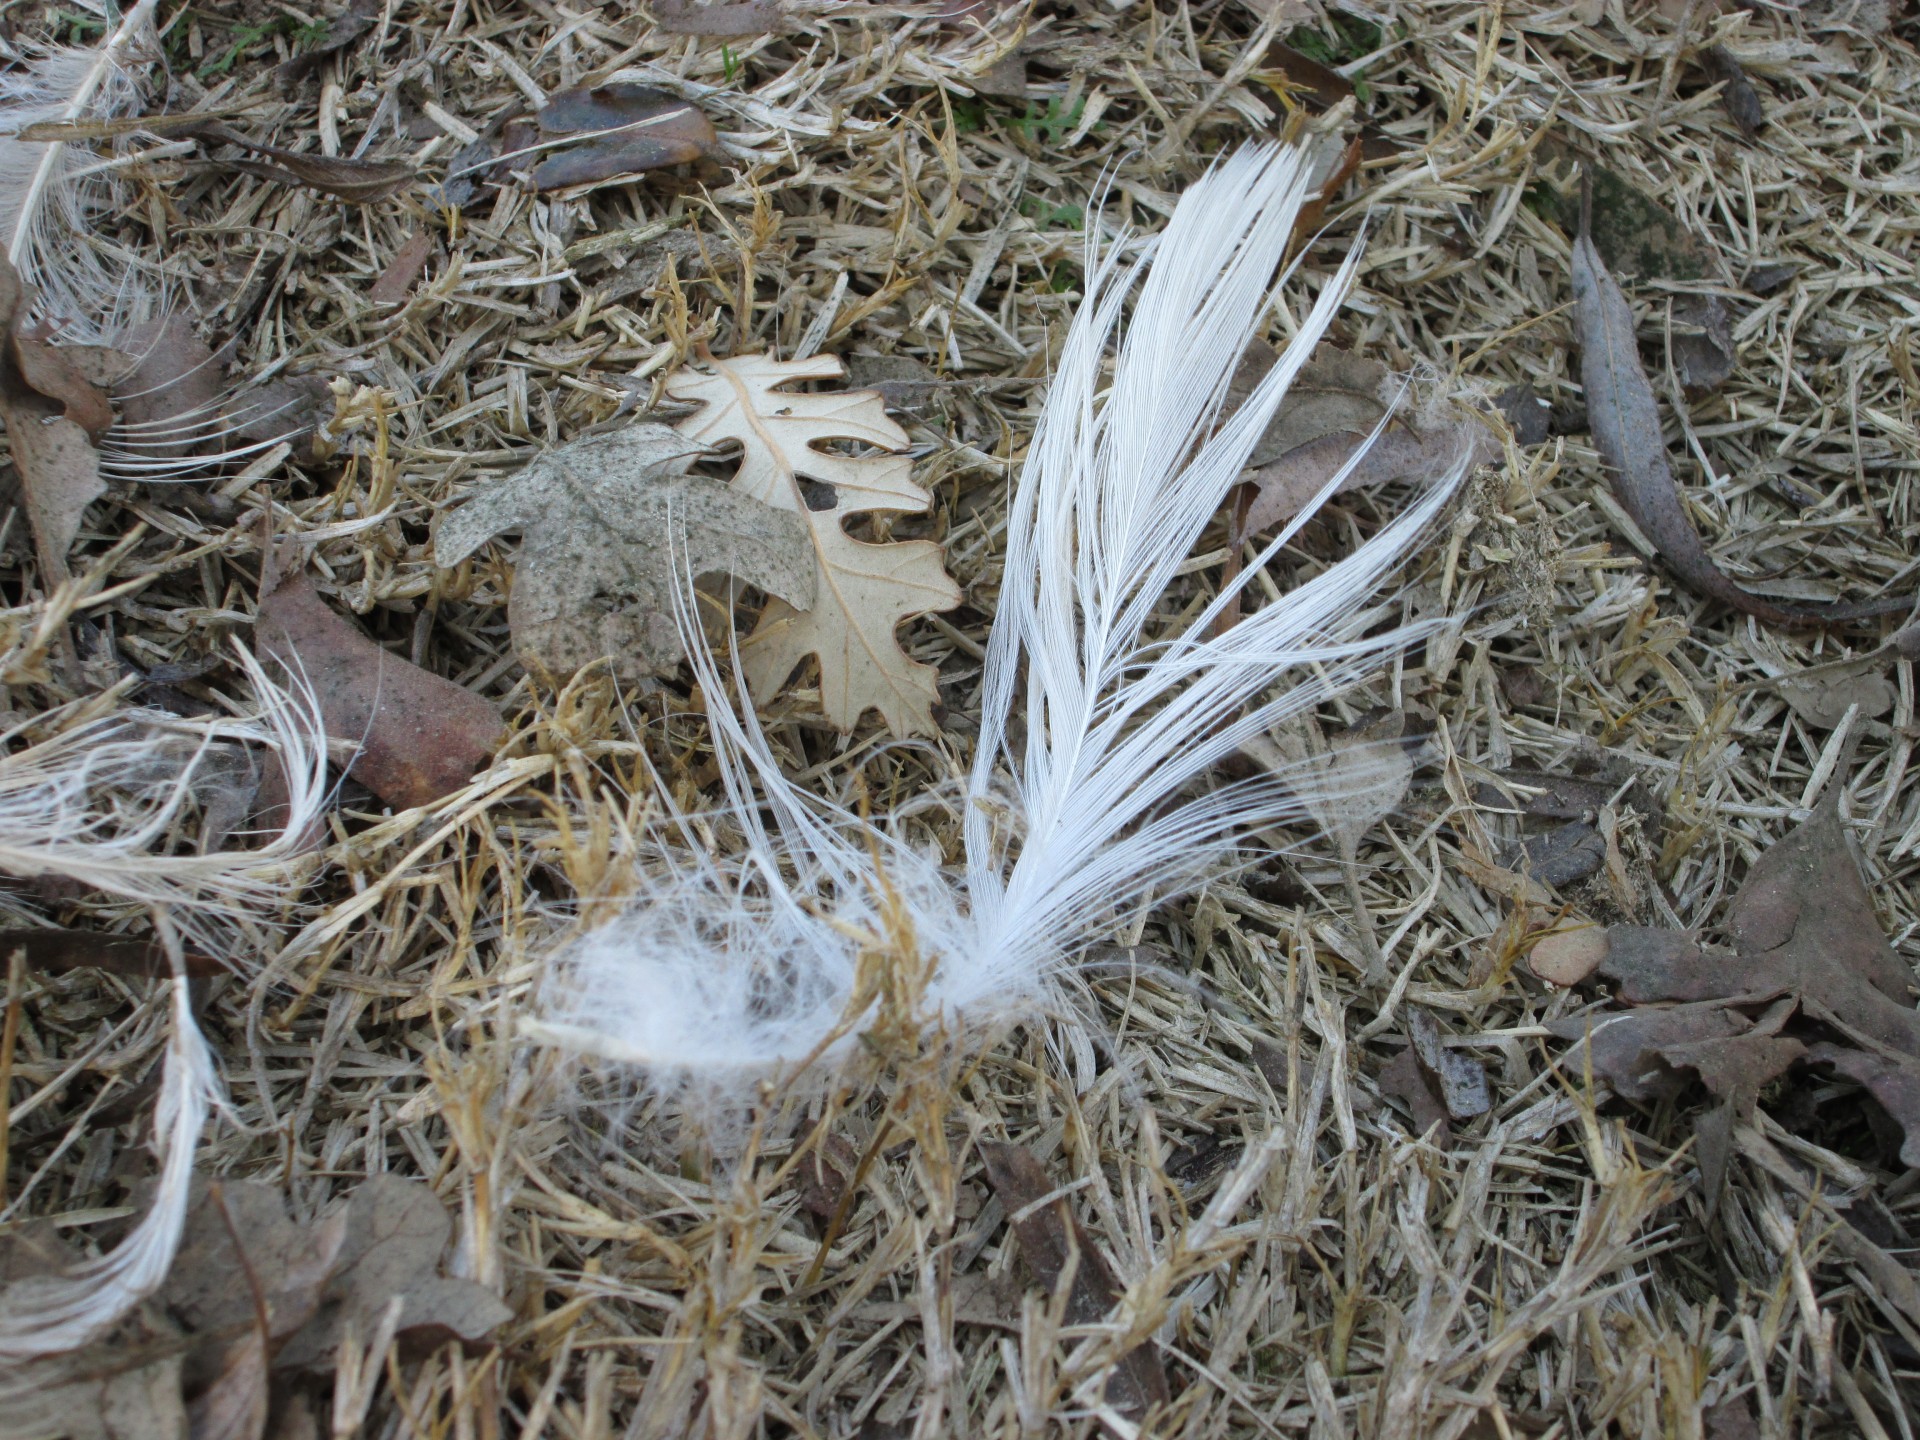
<point>609,523</point>
<point>865,590</point>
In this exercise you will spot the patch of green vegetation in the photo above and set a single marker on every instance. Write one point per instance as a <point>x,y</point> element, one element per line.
<point>1048,124</point>
<point>969,116</point>
<point>80,29</point>
<point>245,37</point>
<point>729,63</point>
<point>1045,212</point>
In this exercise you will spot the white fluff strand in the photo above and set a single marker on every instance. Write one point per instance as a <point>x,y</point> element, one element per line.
<point>95,803</point>
<point>777,951</point>
<point>48,198</point>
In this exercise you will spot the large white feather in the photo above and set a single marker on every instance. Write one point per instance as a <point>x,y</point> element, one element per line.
<point>50,194</point>
<point>101,802</point>
<point>777,947</point>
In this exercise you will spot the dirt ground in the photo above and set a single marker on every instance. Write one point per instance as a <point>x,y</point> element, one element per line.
<point>913,183</point>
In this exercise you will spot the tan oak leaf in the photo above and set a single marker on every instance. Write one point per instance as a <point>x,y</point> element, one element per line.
<point>865,590</point>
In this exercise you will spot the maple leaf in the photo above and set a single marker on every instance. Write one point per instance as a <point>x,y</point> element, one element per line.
<point>865,590</point>
<point>609,524</point>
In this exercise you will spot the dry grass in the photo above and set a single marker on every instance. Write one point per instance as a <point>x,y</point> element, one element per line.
<point>1553,1273</point>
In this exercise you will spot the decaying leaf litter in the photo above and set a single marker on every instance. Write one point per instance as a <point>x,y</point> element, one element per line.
<point>1559,1266</point>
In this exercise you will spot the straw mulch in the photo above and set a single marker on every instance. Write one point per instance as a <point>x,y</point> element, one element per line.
<point>1549,1269</point>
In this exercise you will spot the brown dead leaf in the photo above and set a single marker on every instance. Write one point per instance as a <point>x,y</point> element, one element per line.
<point>397,1233</point>
<point>1737,93</point>
<point>1459,1080</point>
<point>1349,783</point>
<point>610,524</point>
<point>1403,1079</point>
<point>405,267</point>
<point>418,736</point>
<point>54,951</point>
<point>1059,1251</point>
<point>866,590</point>
<point>1806,945</point>
<point>1330,409</point>
<point>604,132</point>
<point>171,397</point>
<point>1626,431</point>
<point>1567,956</point>
<point>358,181</point>
<point>54,415</point>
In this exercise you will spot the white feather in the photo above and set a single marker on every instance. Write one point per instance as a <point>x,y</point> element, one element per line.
<point>100,802</point>
<point>97,801</point>
<point>818,924</point>
<point>48,206</point>
<point>45,1315</point>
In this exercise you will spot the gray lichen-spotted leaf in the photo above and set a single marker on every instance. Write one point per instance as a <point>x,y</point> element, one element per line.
<point>608,525</point>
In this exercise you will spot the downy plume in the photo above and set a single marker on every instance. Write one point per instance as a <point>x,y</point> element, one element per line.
<point>52,191</point>
<point>820,925</point>
<point>102,803</point>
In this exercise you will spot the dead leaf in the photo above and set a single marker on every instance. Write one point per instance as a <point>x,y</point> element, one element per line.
<point>900,380</point>
<point>1530,417</point>
<point>721,19</point>
<point>1562,856</point>
<point>1332,406</point>
<point>417,736</point>
<point>1701,343</point>
<point>608,131</point>
<point>358,181</point>
<point>244,1280</point>
<point>397,1233</point>
<point>405,267</point>
<point>865,589</point>
<point>54,951</point>
<point>1567,956</point>
<point>610,524</point>
<point>1404,1080</point>
<point>1737,92</point>
<point>1730,1420</point>
<point>342,30</point>
<point>170,399</point>
<point>1807,945</point>
<point>1459,1080</point>
<point>1765,279</point>
<point>51,431</point>
<point>1059,1251</point>
<point>1626,431</point>
<point>1823,699</point>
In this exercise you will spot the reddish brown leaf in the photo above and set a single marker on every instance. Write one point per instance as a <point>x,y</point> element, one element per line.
<point>419,736</point>
<point>1893,1080</point>
<point>620,129</point>
<point>1057,1249</point>
<point>405,267</point>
